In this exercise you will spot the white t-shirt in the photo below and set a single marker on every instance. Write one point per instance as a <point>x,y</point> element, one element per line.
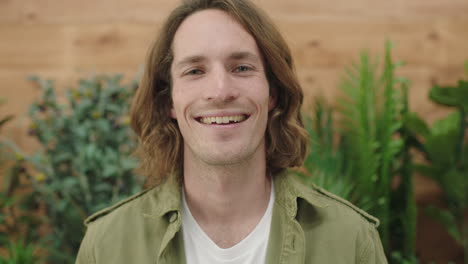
<point>200,249</point>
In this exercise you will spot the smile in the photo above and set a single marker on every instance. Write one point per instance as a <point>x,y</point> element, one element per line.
<point>221,120</point>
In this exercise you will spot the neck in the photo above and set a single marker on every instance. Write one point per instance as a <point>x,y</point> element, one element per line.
<point>229,198</point>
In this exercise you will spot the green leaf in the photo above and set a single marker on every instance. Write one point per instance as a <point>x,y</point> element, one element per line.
<point>69,183</point>
<point>90,151</point>
<point>4,120</point>
<point>62,156</point>
<point>414,124</point>
<point>110,170</point>
<point>447,219</point>
<point>451,96</point>
<point>129,163</point>
<point>441,149</point>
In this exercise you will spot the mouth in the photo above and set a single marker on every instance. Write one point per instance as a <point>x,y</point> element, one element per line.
<point>222,120</point>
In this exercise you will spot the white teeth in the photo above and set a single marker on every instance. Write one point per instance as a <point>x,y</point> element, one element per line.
<point>222,119</point>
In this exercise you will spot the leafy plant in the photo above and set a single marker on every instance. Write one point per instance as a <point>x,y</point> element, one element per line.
<point>14,222</point>
<point>18,219</point>
<point>445,148</point>
<point>85,162</point>
<point>5,119</point>
<point>19,253</point>
<point>325,165</point>
<point>369,151</point>
<point>371,112</point>
<point>397,257</point>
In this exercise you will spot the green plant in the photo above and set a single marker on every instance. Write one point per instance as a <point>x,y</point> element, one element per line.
<point>19,253</point>
<point>369,151</point>
<point>14,221</point>
<point>5,119</point>
<point>325,165</point>
<point>371,113</point>
<point>85,161</point>
<point>18,219</point>
<point>445,148</point>
<point>397,257</point>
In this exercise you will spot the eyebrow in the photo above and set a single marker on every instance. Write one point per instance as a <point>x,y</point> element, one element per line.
<point>189,60</point>
<point>239,55</point>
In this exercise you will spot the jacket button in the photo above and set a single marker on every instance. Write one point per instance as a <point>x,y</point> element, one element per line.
<point>173,218</point>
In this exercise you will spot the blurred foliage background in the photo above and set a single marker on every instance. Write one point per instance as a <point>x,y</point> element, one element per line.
<point>365,148</point>
<point>84,165</point>
<point>414,141</point>
<point>371,149</point>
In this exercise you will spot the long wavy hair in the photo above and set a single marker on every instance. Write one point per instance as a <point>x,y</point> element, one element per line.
<point>160,141</point>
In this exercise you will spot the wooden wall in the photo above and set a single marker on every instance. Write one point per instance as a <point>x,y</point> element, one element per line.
<point>63,39</point>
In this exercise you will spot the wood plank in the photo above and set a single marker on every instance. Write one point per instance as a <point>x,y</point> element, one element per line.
<point>84,11</point>
<point>107,11</point>
<point>419,43</point>
<point>329,44</point>
<point>367,8</point>
<point>102,46</point>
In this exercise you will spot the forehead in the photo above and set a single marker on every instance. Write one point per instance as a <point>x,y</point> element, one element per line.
<point>209,33</point>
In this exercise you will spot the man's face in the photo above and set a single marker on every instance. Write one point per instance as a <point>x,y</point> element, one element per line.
<point>220,92</point>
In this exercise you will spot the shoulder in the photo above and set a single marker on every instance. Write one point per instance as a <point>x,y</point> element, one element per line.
<point>142,218</point>
<point>152,203</point>
<point>331,205</point>
<point>346,206</point>
<point>101,226</point>
<point>132,201</point>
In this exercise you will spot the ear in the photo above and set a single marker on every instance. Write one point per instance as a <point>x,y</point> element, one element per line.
<point>172,113</point>
<point>272,100</point>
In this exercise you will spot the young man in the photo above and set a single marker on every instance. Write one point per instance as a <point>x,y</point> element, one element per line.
<point>217,115</point>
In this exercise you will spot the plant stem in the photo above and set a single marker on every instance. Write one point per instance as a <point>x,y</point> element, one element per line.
<point>464,239</point>
<point>460,151</point>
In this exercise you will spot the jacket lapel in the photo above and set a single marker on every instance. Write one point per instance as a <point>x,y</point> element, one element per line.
<point>287,241</point>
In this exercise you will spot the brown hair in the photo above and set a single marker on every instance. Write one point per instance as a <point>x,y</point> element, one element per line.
<point>160,141</point>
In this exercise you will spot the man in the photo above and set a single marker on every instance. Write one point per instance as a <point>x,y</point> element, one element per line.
<point>218,118</point>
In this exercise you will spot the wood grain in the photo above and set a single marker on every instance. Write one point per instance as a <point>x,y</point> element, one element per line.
<point>88,11</point>
<point>64,40</point>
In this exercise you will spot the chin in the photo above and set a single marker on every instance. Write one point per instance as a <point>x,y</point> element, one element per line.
<point>228,157</point>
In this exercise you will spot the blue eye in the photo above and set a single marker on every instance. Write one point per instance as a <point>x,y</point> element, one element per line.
<point>242,68</point>
<point>194,72</point>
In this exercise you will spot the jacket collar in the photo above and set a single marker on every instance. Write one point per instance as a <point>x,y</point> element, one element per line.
<point>288,190</point>
<point>166,197</point>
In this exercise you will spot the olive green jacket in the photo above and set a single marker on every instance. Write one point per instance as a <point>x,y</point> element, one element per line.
<point>309,225</point>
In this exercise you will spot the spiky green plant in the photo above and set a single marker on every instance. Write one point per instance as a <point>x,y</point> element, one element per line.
<point>358,159</point>
<point>19,253</point>
<point>403,203</point>
<point>325,165</point>
<point>371,110</point>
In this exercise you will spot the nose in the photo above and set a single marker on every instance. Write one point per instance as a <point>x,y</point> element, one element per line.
<point>221,87</point>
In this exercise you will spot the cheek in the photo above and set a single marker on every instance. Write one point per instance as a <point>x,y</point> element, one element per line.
<point>181,99</point>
